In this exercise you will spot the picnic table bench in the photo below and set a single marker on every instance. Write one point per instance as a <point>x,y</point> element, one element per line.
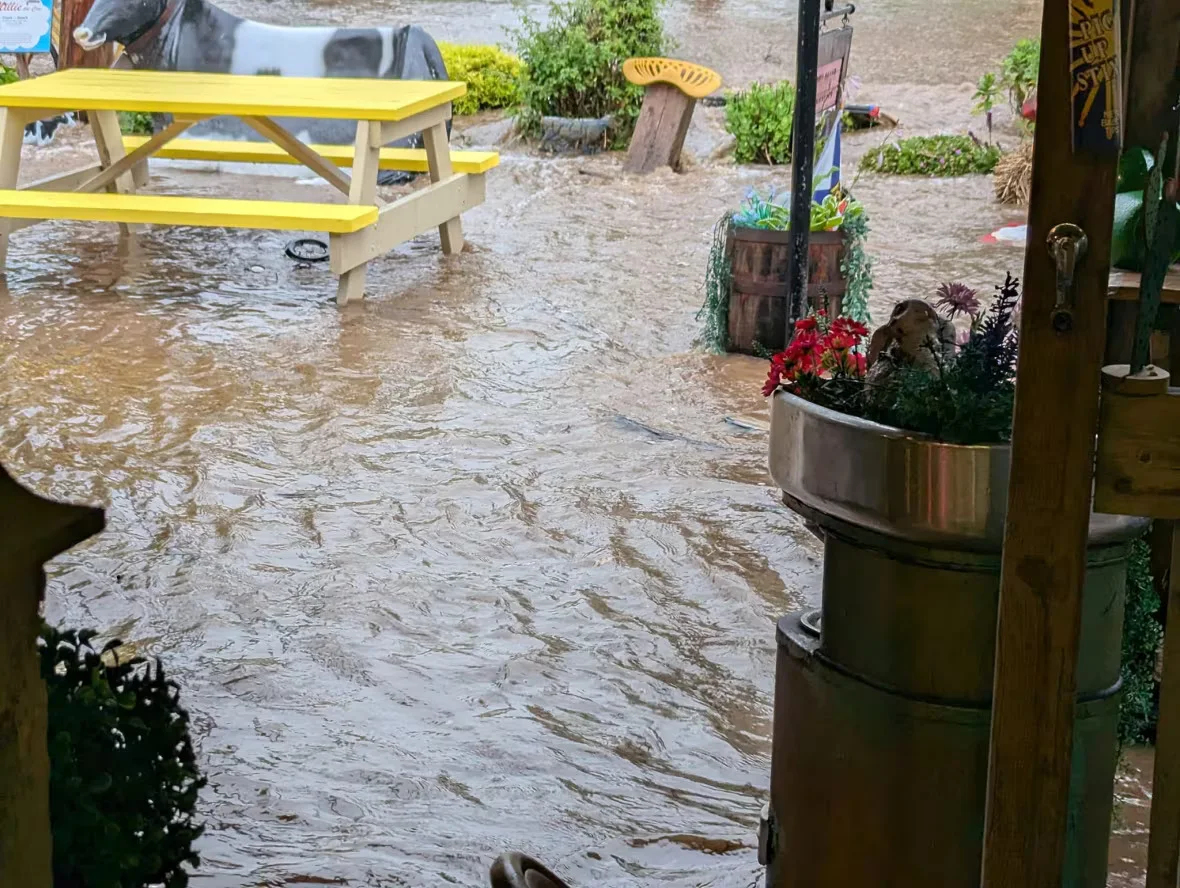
<point>360,229</point>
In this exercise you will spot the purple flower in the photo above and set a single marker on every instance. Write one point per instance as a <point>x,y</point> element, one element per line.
<point>958,299</point>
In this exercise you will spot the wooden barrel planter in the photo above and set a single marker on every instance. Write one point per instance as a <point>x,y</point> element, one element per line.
<point>759,284</point>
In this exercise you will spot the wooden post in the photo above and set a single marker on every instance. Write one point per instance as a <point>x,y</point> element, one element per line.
<point>69,53</point>
<point>32,530</point>
<point>802,157</point>
<point>1049,489</point>
<point>660,131</point>
<point>1154,40</point>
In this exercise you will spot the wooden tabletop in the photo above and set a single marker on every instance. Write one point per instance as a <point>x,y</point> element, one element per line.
<point>181,93</point>
<point>1125,285</point>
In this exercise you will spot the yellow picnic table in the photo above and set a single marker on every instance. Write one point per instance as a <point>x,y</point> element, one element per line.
<point>360,230</point>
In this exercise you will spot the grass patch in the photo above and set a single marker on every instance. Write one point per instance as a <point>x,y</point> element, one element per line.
<point>492,76</point>
<point>1142,635</point>
<point>933,156</point>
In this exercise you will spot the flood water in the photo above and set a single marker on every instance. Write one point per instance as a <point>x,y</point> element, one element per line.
<point>478,563</point>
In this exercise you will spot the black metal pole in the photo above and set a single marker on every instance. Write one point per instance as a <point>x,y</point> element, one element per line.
<point>803,155</point>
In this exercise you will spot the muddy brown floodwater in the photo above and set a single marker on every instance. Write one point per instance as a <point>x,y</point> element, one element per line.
<point>478,563</point>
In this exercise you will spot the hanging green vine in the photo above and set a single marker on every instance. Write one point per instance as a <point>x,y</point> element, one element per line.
<point>857,268</point>
<point>715,312</point>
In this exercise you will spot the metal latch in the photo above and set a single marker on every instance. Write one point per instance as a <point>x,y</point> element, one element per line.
<point>1067,245</point>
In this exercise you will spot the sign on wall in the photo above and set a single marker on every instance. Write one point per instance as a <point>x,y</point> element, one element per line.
<point>25,25</point>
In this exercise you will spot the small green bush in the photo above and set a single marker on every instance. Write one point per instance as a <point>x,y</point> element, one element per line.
<point>135,123</point>
<point>933,156</point>
<point>8,75</point>
<point>760,119</point>
<point>123,779</point>
<point>492,76</point>
<point>1019,72</point>
<point>574,63</point>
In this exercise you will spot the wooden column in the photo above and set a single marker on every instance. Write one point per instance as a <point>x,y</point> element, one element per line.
<point>69,53</point>
<point>660,131</point>
<point>1049,490</point>
<point>32,530</point>
<point>1151,95</point>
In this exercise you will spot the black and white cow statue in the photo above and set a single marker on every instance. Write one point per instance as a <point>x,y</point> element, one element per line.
<point>195,35</point>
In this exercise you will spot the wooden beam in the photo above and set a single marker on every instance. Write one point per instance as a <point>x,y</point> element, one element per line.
<point>660,131</point>
<point>1163,848</point>
<point>32,530</point>
<point>1049,494</point>
<point>399,129</point>
<point>406,218</point>
<point>142,153</point>
<point>363,191</point>
<point>438,155</point>
<point>325,169</point>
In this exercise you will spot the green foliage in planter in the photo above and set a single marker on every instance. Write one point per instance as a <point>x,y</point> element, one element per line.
<point>944,155</point>
<point>123,776</point>
<point>574,63</point>
<point>970,399</point>
<point>492,76</point>
<point>1142,635</point>
<point>135,123</point>
<point>760,119</point>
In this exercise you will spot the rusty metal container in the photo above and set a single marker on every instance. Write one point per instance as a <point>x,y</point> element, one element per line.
<point>882,698</point>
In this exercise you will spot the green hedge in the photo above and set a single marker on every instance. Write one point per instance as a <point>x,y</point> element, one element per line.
<point>492,76</point>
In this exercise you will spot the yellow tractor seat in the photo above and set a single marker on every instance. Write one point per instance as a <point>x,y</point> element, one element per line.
<point>695,81</point>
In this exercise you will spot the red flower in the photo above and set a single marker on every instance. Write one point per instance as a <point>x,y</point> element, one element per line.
<point>850,327</point>
<point>804,324</point>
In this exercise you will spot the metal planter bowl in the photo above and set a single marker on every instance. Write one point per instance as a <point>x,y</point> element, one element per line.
<point>895,482</point>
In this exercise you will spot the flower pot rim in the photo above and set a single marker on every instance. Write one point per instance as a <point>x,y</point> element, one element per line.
<point>867,425</point>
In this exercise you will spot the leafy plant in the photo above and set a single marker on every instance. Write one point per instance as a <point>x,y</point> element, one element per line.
<point>123,775</point>
<point>1019,72</point>
<point>986,93</point>
<point>492,76</point>
<point>944,155</point>
<point>773,212</point>
<point>574,63</point>
<point>135,123</point>
<point>969,399</point>
<point>8,75</point>
<point>1142,635</point>
<point>761,119</point>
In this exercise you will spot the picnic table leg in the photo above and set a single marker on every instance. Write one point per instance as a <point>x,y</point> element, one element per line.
<point>108,138</point>
<point>362,192</point>
<point>12,137</point>
<point>438,156</point>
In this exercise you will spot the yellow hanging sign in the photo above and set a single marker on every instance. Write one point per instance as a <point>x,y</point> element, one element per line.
<point>1095,74</point>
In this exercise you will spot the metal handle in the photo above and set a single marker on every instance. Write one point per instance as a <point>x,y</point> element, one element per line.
<point>1067,245</point>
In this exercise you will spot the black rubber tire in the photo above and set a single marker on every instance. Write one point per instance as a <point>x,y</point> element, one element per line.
<point>515,870</point>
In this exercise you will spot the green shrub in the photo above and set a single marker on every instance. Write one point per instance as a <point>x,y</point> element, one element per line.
<point>8,75</point>
<point>492,76</point>
<point>1019,71</point>
<point>1142,635</point>
<point>760,119</point>
<point>135,123</point>
<point>933,156</point>
<point>123,779</point>
<point>574,63</point>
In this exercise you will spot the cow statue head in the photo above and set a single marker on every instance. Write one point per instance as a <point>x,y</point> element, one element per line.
<point>121,21</point>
